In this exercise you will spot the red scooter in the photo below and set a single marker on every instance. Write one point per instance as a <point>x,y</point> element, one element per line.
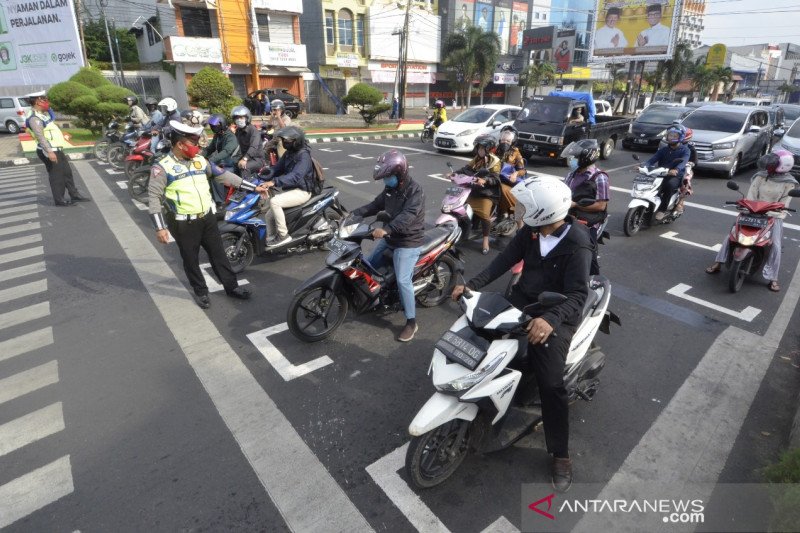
<point>750,238</point>
<point>140,156</point>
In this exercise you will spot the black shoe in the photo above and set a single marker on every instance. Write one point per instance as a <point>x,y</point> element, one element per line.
<point>65,203</point>
<point>561,474</point>
<point>202,300</point>
<point>240,293</point>
<point>79,198</point>
<point>408,332</point>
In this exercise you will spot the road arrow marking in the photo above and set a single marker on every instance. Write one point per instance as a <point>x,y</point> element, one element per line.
<point>748,314</point>
<point>359,156</point>
<point>439,177</point>
<point>348,180</point>
<point>282,366</point>
<point>327,150</point>
<point>122,185</point>
<point>673,236</point>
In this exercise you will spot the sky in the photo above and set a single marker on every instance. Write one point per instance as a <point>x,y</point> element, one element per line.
<point>725,23</point>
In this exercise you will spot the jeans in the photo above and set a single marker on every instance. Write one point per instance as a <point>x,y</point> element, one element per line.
<point>404,260</point>
<point>154,144</point>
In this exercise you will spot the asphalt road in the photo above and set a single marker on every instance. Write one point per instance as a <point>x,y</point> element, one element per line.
<point>150,445</point>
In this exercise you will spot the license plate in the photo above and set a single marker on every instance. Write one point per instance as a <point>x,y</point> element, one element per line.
<point>704,156</point>
<point>641,178</point>
<point>460,350</point>
<point>753,221</point>
<point>640,141</point>
<point>453,191</point>
<point>444,143</point>
<point>337,246</point>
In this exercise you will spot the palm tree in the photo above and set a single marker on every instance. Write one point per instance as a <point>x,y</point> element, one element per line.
<point>470,55</point>
<point>539,74</point>
<point>721,75</point>
<point>702,80</point>
<point>678,67</point>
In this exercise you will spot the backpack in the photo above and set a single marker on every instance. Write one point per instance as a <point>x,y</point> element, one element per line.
<point>317,177</point>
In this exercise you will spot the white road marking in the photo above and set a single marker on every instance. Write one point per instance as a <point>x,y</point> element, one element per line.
<point>34,490</point>
<point>439,177</point>
<point>384,474</point>
<point>348,180</point>
<point>21,291</point>
<point>331,150</point>
<point>13,187</point>
<point>26,314</point>
<point>30,200</point>
<point>28,381</point>
<point>26,343</point>
<point>622,168</point>
<point>15,194</point>
<point>103,163</point>
<point>18,272</point>
<point>17,173</point>
<point>673,236</point>
<point>22,254</point>
<point>18,209</point>
<point>27,240</point>
<point>211,281</point>
<point>122,185</point>
<point>282,366</point>
<point>21,183</point>
<point>19,218</point>
<point>501,525</point>
<point>114,172</point>
<point>748,314</point>
<point>29,428</point>
<point>325,168</point>
<point>139,205</point>
<point>410,149</point>
<point>304,492</point>
<point>359,156</point>
<point>19,228</point>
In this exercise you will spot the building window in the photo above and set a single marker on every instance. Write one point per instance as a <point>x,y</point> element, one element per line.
<point>152,35</point>
<point>536,15</point>
<point>330,43</point>
<point>196,22</point>
<point>544,16</point>
<point>345,30</point>
<point>360,34</point>
<point>262,21</point>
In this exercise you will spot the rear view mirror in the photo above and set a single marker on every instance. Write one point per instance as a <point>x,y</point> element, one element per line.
<point>635,156</point>
<point>794,193</point>
<point>496,123</point>
<point>383,216</point>
<point>732,185</point>
<point>550,299</point>
<point>754,129</point>
<point>780,132</point>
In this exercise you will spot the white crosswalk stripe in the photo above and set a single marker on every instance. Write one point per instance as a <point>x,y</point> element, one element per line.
<point>19,201</point>
<point>26,314</point>
<point>29,428</point>
<point>21,241</point>
<point>22,227</point>
<point>28,381</point>
<point>17,209</point>
<point>26,343</point>
<point>21,291</point>
<point>34,490</point>
<point>18,272</point>
<point>22,254</point>
<point>24,217</point>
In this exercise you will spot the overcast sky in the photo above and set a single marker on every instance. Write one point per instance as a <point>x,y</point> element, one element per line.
<point>726,24</point>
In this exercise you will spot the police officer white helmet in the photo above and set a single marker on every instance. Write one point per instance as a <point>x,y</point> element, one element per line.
<point>545,200</point>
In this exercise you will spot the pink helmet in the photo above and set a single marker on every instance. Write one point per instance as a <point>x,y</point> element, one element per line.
<point>778,162</point>
<point>438,104</point>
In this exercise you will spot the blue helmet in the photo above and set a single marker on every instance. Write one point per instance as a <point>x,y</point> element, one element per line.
<point>673,131</point>
<point>217,123</point>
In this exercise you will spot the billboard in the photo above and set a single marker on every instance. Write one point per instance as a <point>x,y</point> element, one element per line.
<point>630,30</point>
<point>519,21</point>
<point>483,15</point>
<point>463,11</point>
<point>564,50</point>
<point>39,42</point>
<point>502,24</point>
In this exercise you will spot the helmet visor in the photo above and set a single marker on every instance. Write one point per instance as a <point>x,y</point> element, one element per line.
<point>673,137</point>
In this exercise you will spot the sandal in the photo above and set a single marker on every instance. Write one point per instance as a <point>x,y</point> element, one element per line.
<point>773,286</point>
<point>714,269</point>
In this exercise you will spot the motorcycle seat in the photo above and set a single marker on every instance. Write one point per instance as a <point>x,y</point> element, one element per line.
<point>433,238</point>
<point>594,298</point>
<point>312,201</point>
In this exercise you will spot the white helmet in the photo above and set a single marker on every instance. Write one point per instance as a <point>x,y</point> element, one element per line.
<point>546,200</point>
<point>169,104</point>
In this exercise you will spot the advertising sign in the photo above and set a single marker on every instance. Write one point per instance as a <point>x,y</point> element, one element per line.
<point>538,38</point>
<point>504,78</point>
<point>344,59</point>
<point>502,24</point>
<point>630,30</point>
<point>519,21</point>
<point>716,56</point>
<point>564,50</point>
<point>483,15</point>
<point>283,55</point>
<point>463,11</point>
<point>39,42</point>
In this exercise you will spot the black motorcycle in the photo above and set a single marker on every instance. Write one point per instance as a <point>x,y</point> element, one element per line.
<point>111,135</point>
<point>428,129</point>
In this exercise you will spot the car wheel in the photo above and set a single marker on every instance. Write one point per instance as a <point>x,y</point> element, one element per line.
<point>607,149</point>
<point>734,167</point>
<point>12,127</point>
<point>291,114</point>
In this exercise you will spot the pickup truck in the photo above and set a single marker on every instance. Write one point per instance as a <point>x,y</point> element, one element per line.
<point>544,128</point>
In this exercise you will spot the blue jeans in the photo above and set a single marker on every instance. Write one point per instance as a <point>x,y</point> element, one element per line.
<point>404,260</point>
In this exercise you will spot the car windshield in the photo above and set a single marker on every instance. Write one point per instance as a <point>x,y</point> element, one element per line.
<point>24,102</point>
<point>794,131</point>
<point>544,112</point>
<point>660,115</point>
<point>715,121</point>
<point>790,114</point>
<point>475,115</point>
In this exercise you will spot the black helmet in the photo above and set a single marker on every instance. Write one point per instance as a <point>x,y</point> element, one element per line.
<point>131,100</point>
<point>151,103</point>
<point>487,141</point>
<point>217,123</point>
<point>586,151</point>
<point>391,163</point>
<point>292,137</point>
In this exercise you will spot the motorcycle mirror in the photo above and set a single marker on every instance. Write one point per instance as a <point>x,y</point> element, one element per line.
<point>794,193</point>
<point>635,156</point>
<point>550,299</point>
<point>383,216</point>
<point>586,202</point>
<point>450,165</point>
<point>732,185</point>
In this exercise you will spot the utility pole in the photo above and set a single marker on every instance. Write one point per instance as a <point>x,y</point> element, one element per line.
<point>119,53</point>
<point>78,9</point>
<point>404,66</point>
<point>103,4</point>
<point>396,93</point>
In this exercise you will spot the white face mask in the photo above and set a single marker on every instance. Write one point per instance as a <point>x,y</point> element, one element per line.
<point>241,122</point>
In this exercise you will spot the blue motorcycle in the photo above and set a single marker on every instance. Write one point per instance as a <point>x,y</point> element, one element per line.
<point>244,232</point>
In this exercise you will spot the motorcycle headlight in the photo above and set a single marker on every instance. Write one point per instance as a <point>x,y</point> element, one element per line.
<point>446,208</point>
<point>467,132</point>
<point>747,240</point>
<point>470,380</point>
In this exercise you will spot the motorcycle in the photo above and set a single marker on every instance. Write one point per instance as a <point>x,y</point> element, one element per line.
<point>270,148</point>
<point>428,129</point>
<point>476,407</point>
<point>244,232</point>
<point>140,177</point>
<point>140,156</point>
<point>646,199</point>
<point>350,280</point>
<point>118,151</point>
<point>110,136</point>
<point>750,238</point>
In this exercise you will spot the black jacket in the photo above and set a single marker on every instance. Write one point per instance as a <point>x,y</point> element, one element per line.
<point>293,170</point>
<point>222,148</point>
<point>564,270</point>
<point>406,206</point>
<point>250,142</point>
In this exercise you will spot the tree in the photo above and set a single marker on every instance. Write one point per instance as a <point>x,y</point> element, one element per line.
<point>787,89</point>
<point>702,80</point>
<point>539,74</point>
<point>670,72</point>
<point>470,56</point>
<point>720,75</point>
<point>210,89</point>
<point>89,97</point>
<point>97,43</point>
<point>368,100</point>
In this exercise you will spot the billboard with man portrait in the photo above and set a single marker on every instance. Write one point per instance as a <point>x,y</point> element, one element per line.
<point>630,30</point>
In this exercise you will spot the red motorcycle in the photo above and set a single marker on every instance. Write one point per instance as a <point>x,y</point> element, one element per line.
<point>750,238</point>
<point>140,156</point>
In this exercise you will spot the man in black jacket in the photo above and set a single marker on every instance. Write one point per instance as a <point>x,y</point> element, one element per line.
<point>404,201</point>
<point>249,138</point>
<point>557,252</point>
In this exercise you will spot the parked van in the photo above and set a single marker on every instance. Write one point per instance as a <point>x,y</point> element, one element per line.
<point>13,110</point>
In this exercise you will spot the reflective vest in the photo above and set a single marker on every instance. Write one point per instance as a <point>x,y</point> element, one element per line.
<point>51,132</point>
<point>187,190</point>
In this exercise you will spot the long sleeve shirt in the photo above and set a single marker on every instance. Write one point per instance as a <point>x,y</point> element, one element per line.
<point>763,189</point>
<point>37,130</point>
<point>158,184</point>
<point>671,158</point>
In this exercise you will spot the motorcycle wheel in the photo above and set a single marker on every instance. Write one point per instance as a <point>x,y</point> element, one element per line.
<point>425,136</point>
<point>513,281</point>
<point>738,272</point>
<point>444,278</point>
<point>314,306</point>
<point>435,456</point>
<point>138,183</point>
<point>238,260</point>
<point>116,155</point>
<point>633,220</point>
<point>131,167</point>
<point>101,150</point>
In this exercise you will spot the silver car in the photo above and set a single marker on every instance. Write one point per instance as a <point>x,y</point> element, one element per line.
<point>791,141</point>
<point>728,137</point>
<point>13,110</point>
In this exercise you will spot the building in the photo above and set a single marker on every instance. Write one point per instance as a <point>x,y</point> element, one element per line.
<point>692,23</point>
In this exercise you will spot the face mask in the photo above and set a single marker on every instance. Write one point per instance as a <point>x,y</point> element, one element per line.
<point>391,182</point>
<point>44,105</point>
<point>503,147</point>
<point>573,163</point>
<point>241,122</point>
<point>190,150</point>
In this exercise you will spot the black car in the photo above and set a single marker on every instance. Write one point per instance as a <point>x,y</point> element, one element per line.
<point>650,126</point>
<point>293,103</point>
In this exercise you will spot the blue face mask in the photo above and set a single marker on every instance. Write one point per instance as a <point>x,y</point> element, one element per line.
<point>573,163</point>
<point>391,182</point>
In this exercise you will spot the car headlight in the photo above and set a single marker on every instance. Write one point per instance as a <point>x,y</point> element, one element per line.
<point>661,133</point>
<point>467,132</point>
<point>630,127</point>
<point>470,380</point>
<point>723,146</point>
<point>555,140</point>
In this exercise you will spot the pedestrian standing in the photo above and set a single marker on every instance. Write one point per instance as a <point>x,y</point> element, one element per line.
<point>181,178</point>
<point>49,148</point>
<point>395,108</point>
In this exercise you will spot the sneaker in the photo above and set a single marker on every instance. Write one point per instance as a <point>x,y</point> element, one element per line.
<point>202,301</point>
<point>408,332</point>
<point>279,241</point>
<point>561,474</point>
<point>240,293</point>
<point>660,216</point>
<point>65,203</point>
<point>78,198</point>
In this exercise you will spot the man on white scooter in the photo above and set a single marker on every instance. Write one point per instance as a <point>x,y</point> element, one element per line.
<point>557,251</point>
<point>673,156</point>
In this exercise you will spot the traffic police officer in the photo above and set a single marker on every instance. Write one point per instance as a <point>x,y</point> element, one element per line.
<point>50,141</point>
<point>182,178</point>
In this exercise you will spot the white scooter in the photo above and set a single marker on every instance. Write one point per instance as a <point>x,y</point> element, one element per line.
<point>646,199</point>
<point>472,409</point>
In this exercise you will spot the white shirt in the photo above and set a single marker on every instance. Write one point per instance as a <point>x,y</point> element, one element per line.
<point>603,36</point>
<point>657,35</point>
<point>548,242</point>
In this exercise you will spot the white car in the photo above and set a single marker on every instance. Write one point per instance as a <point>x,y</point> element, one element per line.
<point>603,108</point>
<point>458,134</point>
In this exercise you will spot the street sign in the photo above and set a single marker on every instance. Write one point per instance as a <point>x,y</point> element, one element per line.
<point>226,68</point>
<point>716,56</point>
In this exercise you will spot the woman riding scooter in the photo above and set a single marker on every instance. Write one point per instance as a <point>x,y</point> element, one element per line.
<point>509,154</point>
<point>771,184</point>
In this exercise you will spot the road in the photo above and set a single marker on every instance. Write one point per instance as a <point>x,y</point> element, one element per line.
<point>125,407</point>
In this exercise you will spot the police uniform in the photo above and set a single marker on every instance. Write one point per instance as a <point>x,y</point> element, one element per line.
<point>49,139</point>
<point>182,185</point>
